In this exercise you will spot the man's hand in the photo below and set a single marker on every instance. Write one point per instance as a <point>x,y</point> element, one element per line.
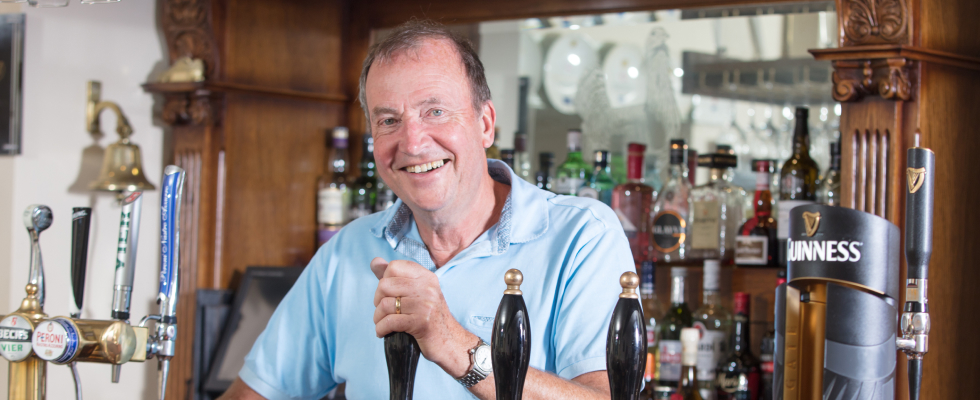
<point>424,314</point>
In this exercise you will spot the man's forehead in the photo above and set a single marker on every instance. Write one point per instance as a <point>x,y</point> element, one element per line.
<point>438,54</point>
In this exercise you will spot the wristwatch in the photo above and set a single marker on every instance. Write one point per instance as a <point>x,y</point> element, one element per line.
<point>480,365</point>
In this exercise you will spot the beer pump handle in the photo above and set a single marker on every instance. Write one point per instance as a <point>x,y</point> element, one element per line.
<point>81,219</point>
<point>919,203</point>
<point>166,332</point>
<point>626,352</point>
<point>125,268</point>
<point>402,354</point>
<point>511,340</point>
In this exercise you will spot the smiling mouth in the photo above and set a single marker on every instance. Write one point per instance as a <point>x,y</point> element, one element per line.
<point>423,168</point>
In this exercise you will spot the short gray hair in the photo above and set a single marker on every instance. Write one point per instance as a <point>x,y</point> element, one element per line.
<point>410,36</point>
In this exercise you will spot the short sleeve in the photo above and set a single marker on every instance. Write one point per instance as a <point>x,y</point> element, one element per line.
<point>291,359</point>
<point>587,300</point>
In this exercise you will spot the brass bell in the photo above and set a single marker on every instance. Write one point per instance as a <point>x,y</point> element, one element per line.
<point>122,167</point>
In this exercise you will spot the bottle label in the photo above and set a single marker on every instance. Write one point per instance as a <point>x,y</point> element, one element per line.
<point>782,223</point>
<point>651,336</point>
<point>706,226</point>
<point>669,231</point>
<point>55,340</point>
<point>751,250</point>
<point>588,193</point>
<point>762,181</point>
<point>711,348</point>
<point>15,338</point>
<point>670,360</point>
<point>568,185</point>
<point>332,206</point>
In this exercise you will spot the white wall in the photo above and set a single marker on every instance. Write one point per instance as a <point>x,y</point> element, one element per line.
<point>119,45</point>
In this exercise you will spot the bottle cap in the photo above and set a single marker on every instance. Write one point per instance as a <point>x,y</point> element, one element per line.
<point>520,142</point>
<point>678,151</point>
<point>741,303</point>
<point>802,113</point>
<point>724,149</point>
<point>717,160</point>
<point>678,271</point>
<point>712,269</point>
<point>762,165</point>
<point>689,346</point>
<point>340,132</point>
<point>574,140</point>
<point>601,158</point>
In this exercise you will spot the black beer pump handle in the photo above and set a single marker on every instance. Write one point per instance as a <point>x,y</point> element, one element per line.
<point>510,345</point>
<point>402,353</point>
<point>921,175</point>
<point>81,220</point>
<point>626,347</point>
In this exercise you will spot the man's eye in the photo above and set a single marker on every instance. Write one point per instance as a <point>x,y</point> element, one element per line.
<point>388,121</point>
<point>437,113</point>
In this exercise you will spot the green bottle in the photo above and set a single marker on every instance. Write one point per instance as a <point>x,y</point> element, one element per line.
<point>574,172</point>
<point>600,185</point>
<point>366,186</point>
<point>669,332</point>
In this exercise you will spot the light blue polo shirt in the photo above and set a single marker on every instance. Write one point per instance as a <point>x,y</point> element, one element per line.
<point>571,251</point>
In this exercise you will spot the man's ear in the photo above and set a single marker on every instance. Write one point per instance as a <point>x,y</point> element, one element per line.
<point>488,119</point>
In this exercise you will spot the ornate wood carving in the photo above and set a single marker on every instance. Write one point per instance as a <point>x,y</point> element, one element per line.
<point>874,22</point>
<point>196,108</point>
<point>888,78</point>
<point>187,27</point>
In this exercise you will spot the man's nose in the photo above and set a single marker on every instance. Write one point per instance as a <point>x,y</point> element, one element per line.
<point>415,137</point>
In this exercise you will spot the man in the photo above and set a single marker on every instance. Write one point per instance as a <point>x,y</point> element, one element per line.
<point>433,265</point>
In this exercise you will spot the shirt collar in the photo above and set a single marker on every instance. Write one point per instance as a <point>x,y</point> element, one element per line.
<point>523,218</point>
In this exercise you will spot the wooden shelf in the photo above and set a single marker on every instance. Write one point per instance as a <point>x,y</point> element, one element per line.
<point>897,51</point>
<point>205,87</point>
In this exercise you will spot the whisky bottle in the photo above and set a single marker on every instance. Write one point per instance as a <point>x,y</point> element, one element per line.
<point>507,156</point>
<point>364,189</point>
<point>829,191</point>
<point>652,314</point>
<point>671,221</point>
<point>678,317</point>
<point>543,178</point>
<point>713,321</point>
<point>738,374</point>
<point>522,160</point>
<point>574,172</point>
<point>757,243</point>
<point>631,202</point>
<point>717,210</point>
<point>333,198</point>
<point>798,179</point>
<point>600,185</point>
<point>687,386</point>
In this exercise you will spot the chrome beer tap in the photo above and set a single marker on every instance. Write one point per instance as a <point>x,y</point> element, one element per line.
<point>919,202</point>
<point>37,218</point>
<point>122,289</point>
<point>163,343</point>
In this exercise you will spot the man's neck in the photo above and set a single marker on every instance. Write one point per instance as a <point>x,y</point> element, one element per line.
<point>446,233</point>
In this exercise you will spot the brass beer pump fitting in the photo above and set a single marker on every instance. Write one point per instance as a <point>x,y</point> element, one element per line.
<point>629,281</point>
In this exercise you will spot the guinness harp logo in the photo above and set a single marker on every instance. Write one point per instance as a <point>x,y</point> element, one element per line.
<point>812,221</point>
<point>916,177</point>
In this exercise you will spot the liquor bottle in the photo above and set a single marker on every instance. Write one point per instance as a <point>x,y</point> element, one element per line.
<point>522,160</point>
<point>333,198</point>
<point>767,353</point>
<point>757,243</point>
<point>574,172</point>
<point>829,191</point>
<point>717,210</point>
<point>385,198</point>
<point>652,314</point>
<point>507,156</point>
<point>364,189</point>
<point>678,317</point>
<point>797,179</point>
<point>493,152</point>
<point>687,386</point>
<point>671,221</point>
<point>738,374</point>
<point>600,185</point>
<point>543,178</point>
<point>714,324</point>
<point>631,202</point>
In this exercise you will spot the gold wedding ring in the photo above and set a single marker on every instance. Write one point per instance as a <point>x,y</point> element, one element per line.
<point>398,305</point>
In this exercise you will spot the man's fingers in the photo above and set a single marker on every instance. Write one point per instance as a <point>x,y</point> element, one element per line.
<point>394,323</point>
<point>378,266</point>
<point>395,287</point>
<point>409,305</point>
<point>405,269</point>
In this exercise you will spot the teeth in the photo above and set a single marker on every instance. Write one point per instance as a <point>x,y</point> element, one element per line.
<point>425,167</point>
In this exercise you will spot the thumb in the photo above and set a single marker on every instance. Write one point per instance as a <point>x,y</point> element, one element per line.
<point>378,266</point>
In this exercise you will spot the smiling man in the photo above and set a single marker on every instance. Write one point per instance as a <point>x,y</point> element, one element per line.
<point>433,264</point>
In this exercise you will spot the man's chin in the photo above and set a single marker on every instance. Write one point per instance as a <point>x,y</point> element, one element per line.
<point>425,204</point>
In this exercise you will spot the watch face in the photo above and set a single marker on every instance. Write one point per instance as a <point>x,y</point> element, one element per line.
<point>482,358</point>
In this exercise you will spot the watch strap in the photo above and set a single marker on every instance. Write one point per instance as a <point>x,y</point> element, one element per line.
<point>474,375</point>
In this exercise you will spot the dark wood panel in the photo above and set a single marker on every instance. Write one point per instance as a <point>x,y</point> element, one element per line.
<point>950,26</point>
<point>284,44</point>
<point>948,122</point>
<point>274,153</point>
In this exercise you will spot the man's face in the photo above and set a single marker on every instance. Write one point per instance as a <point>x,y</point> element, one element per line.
<point>421,116</point>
